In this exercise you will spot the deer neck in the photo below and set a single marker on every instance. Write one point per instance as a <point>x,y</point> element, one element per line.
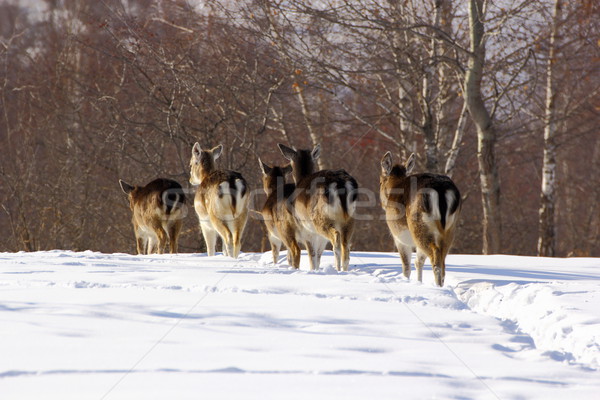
<point>273,183</point>
<point>303,167</point>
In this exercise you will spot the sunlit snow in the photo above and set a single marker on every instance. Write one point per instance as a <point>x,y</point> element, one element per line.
<point>116,326</point>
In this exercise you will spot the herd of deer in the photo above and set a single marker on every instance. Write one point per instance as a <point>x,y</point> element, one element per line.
<point>318,207</point>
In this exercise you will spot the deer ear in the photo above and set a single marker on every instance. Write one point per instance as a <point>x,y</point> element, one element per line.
<point>386,164</point>
<point>316,152</point>
<point>287,169</point>
<point>410,163</point>
<point>217,151</point>
<point>125,187</point>
<point>196,150</point>
<point>264,167</point>
<point>287,152</point>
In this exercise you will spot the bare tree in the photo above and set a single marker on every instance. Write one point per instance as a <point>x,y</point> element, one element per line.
<point>95,91</point>
<point>547,231</point>
<point>486,132</point>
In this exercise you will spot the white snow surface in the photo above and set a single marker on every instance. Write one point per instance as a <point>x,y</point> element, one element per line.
<point>116,326</point>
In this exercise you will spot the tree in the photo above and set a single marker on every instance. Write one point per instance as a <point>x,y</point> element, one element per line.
<point>547,230</point>
<point>486,132</point>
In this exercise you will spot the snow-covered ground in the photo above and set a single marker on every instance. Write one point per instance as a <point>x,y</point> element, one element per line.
<point>116,326</point>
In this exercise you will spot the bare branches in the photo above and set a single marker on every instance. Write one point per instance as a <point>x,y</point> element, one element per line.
<point>111,89</point>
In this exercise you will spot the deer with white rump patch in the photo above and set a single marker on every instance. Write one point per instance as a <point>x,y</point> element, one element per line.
<point>157,214</point>
<point>277,213</point>
<point>221,201</point>
<point>421,211</point>
<point>324,203</point>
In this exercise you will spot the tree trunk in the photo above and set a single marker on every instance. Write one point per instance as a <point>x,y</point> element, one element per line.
<point>427,121</point>
<point>433,103</point>
<point>547,229</point>
<point>456,142</point>
<point>297,85</point>
<point>486,133</point>
<point>314,137</point>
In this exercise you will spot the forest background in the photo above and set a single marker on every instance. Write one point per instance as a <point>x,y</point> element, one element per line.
<point>503,95</point>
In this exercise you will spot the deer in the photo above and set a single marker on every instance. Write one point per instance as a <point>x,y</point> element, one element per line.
<point>324,203</point>
<point>221,201</point>
<point>277,214</point>
<point>157,214</point>
<point>421,211</point>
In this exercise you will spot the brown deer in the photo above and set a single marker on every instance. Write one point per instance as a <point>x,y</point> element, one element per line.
<point>323,204</point>
<point>277,212</point>
<point>157,214</point>
<point>221,201</point>
<point>421,210</point>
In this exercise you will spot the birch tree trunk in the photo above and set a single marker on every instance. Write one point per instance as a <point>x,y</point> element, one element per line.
<point>314,137</point>
<point>547,229</point>
<point>486,133</point>
<point>456,142</point>
<point>280,42</point>
<point>427,122</point>
<point>443,105</point>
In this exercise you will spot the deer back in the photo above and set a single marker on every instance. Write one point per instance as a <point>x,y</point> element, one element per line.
<point>426,203</point>
<point>277,211</point>
<point>159,200</point>
<point>324,198</point>
<point>327,196</point>
<point>221,193</point>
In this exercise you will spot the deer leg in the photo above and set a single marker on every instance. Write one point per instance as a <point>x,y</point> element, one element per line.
<point>223,230</point>
<point>311,254</point>
<point>236,242</point>
<point>174,230</point>
<point>437,264</point>
<point>224,248</point>
<point>237,229</point>
<point>210,237</point>
<point>237,247</point>
<point>140,245</point>
<point>335,239</point>
<point>345,254</point>
<point>162,240</point>
<point>446,244</point>
<point>314,253</point>
<point>345,245</point>
<point>140,242</point>
<point>442,265</point>
<point>405,251</point>
<point>419,261</point>
<point>160,236</point>
<point>275,247</point>
<point>337,253</point>
<point>319,245</point>
<point>294,254</point>
<point>151,242</point>
<point>443,271</point>
<point>293,250</point>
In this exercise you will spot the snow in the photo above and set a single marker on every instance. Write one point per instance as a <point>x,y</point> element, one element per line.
<point>117,326</point>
